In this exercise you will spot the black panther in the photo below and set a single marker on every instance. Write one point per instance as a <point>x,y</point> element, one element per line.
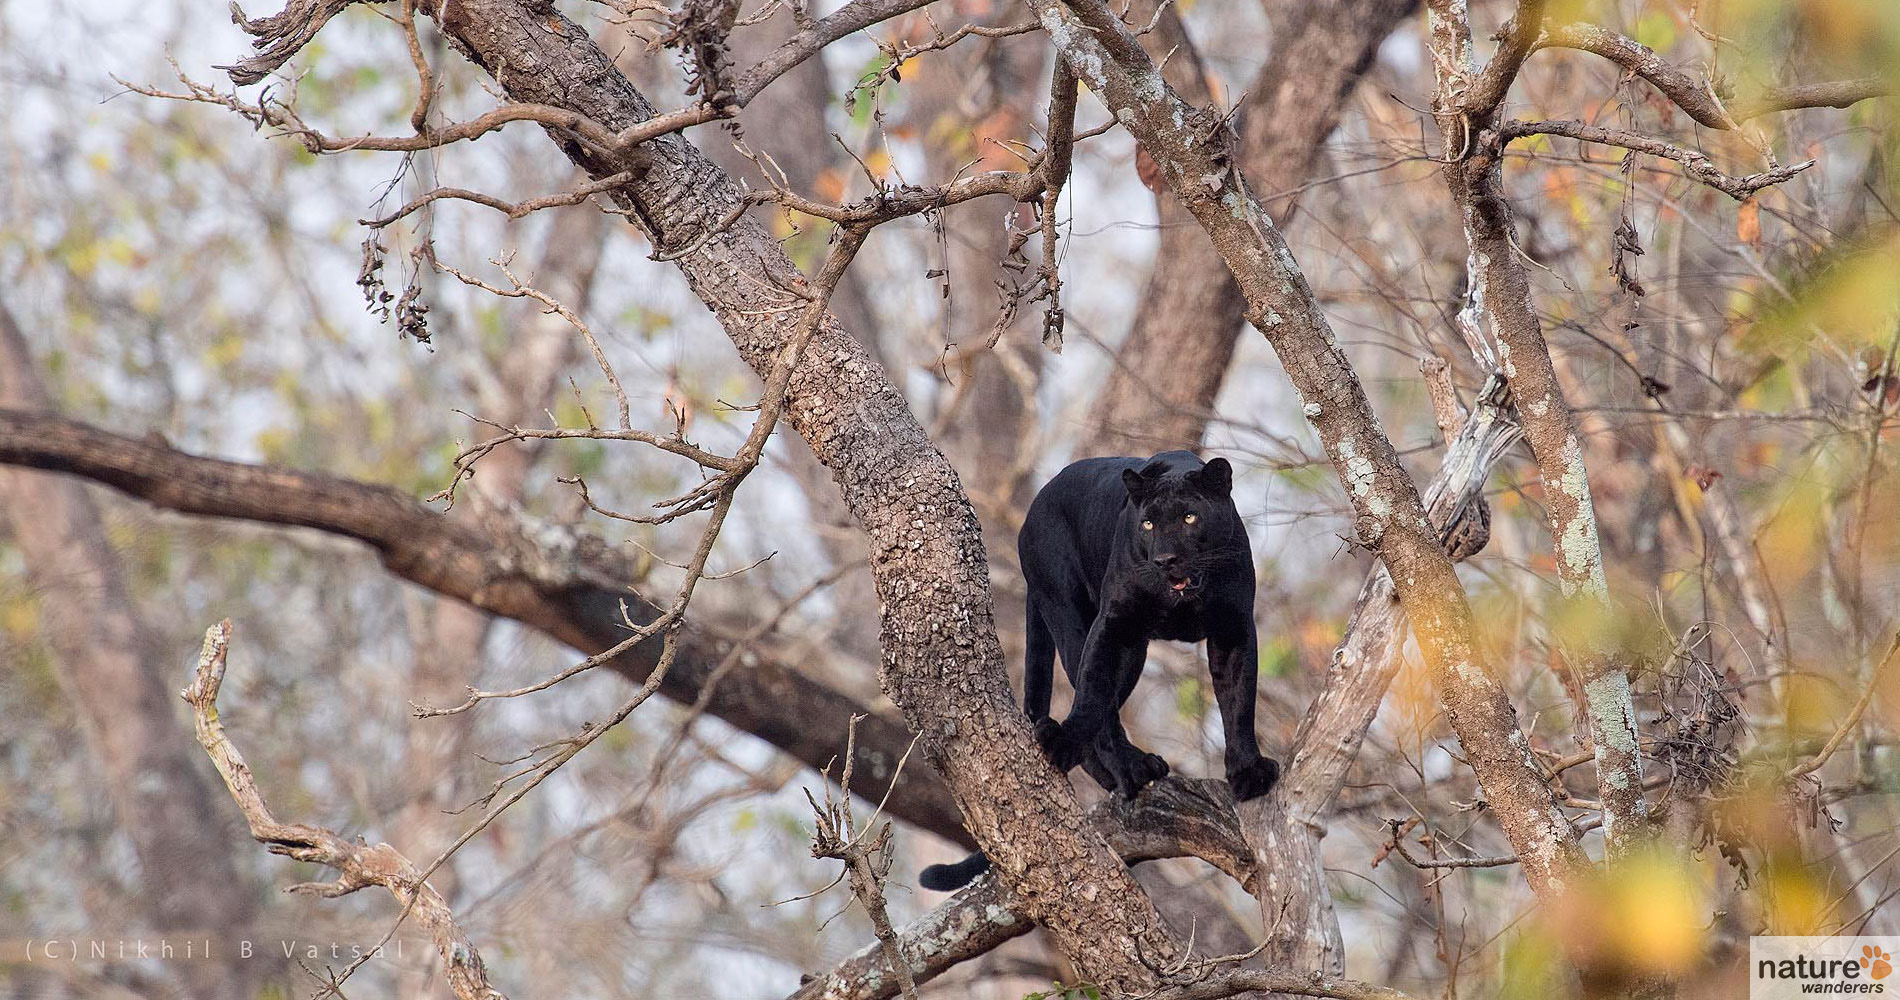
<point>1117,552</point>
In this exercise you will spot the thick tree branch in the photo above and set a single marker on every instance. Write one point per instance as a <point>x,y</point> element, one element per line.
<point>1303,931</point>
<point>1172,818</point>
<point>942,663</point>
<point>1276,981</point>
<point>1692,94</point>
<point>1499,288</point>
<point>1695,95</point>
<point>1166,374</point>
<point>568,586</point>
<point>1831,94</point>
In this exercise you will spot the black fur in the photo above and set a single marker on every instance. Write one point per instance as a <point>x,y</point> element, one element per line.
<point>1117,552</point>
<point>944,878</point>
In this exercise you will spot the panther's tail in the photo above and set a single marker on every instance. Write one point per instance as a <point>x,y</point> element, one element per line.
<point>944,878</point>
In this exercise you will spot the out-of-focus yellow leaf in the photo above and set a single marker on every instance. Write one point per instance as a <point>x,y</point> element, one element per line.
<point>19,617</point>
<point>1190,699</point>
<point>1797,901</point>
<point>273,443</point>
<point>1813,706</point>
<point>1656,911</point>
<point>1560,11</point>
<point>1853,300</point>
<point>1534,966</point>
<point>1657,30</point>
<point>226,349</point>
<point>1642,917</point>
<point>1789,541</point>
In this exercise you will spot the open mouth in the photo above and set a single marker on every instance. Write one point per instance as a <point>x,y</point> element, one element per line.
<point>1181,586</point>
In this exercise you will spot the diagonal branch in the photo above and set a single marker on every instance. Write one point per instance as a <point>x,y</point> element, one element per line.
<point>1499,290</point>
<point>1696,95</point>
<point>942,666</point>
<point>1173,818</point>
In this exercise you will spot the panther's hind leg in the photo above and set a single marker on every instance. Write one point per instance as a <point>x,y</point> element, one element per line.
<point>1039,659</point>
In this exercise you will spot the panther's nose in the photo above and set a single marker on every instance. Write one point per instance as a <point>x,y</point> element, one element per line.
<point>1167,560</point>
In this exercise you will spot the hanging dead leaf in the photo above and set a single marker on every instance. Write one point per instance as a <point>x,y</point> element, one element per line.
<point>1748,223</point>
<point>1149,171</point>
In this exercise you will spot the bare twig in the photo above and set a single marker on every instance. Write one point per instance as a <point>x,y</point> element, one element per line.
<point>867,862</point>
<point>1695,163</point>
<point>359,865</point>
<point>1853,717</point>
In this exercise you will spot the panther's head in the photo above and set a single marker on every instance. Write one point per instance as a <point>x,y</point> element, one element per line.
<point>1185,523</point>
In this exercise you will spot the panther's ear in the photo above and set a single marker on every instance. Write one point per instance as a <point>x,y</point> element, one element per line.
<point>1140,487</point>
<point>1216,478</point>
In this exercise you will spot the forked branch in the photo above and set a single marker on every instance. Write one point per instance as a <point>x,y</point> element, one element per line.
<point>358,865</point>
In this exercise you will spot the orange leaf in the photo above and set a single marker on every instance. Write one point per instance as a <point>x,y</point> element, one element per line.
<point>1748,223</point>
<point>1149,171</point>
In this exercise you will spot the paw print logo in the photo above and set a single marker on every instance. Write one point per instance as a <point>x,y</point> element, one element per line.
<point>1878,962</point>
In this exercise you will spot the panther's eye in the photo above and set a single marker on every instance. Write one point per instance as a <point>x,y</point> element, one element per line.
<point>1191,518</point>
<point>1147,526</point>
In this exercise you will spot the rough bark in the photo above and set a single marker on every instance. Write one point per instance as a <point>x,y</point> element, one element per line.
<point>787,122</point>
<point>1272,847</point>
<point>1174,817</point>
<point>1166,374</point>
<point>1286,828</point>
<point>567,585</point>
<point>121,687</point>
<point>1467,101</point>
<point>1196,153</point>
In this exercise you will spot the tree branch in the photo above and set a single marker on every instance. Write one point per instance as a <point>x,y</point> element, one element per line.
<point>571,587</point>
<point>1695,164</point>
<point>1499,293</point>
<point>943,665</point>
<point>1695,95</point>
<point>360,865</point>
<point>1172,818</point>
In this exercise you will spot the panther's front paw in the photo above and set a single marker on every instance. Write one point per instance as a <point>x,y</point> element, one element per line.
<point>1144,769</point>
<point>1063,750</point>
<point>1253,779</point>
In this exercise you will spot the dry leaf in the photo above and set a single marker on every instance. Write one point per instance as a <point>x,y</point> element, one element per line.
<point>1748,223</point>
<point>1149,171</point>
